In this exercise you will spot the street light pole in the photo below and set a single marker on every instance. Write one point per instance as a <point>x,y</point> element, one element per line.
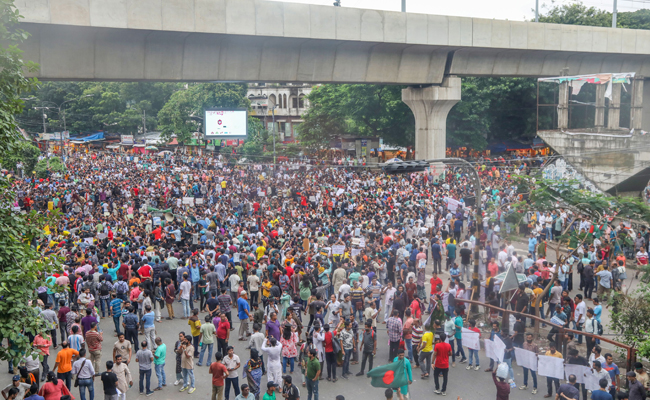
<point>536,10</point>
<point>273,112</point>
<point>614,14</point>
<point>403,5</point>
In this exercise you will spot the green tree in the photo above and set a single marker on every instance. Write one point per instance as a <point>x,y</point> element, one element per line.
<point>631,318</point>
<point>359,110</point>
<point>22,266</point>
<point>24,152</point>
<point>183,113</point>
<point>577,14</point>
<point>543,195</point>
<point>48,166</point>
<point>113,107</point>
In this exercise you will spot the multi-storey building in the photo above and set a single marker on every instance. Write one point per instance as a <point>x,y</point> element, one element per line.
<point>288,101</point>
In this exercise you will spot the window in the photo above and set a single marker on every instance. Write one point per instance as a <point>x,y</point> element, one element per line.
<point>272,101</point>
<point>285,100</point>
<point>294,102</point>
<point>301,102</point>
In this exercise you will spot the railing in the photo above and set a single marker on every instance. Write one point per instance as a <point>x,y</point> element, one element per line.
<point>562,330</point>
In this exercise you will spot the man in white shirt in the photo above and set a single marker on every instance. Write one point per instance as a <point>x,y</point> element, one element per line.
<point>502,258</point>
<point>579,315</point>
<point>388,291</point>
<point>186,290</point>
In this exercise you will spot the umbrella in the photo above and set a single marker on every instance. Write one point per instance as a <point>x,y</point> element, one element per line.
<point>393,160</point>
<point>151,148</point>
<point>162,153</point>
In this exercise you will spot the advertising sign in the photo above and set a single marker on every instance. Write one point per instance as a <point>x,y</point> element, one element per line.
<point>226,123</point>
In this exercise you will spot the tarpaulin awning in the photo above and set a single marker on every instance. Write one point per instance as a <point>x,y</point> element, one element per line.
<point>599,79</point>
<point>91,138</point>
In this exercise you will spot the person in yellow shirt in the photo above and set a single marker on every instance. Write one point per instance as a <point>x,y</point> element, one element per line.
<point>552,352</point>
<point>260,250</point>
<point>195,326</point>
<point>266,287</point>
<point>426,351</point>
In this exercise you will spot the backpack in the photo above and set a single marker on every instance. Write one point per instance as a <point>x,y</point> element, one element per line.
<point>598,327</point>
<point>118,287</point>
<point>103,289</point>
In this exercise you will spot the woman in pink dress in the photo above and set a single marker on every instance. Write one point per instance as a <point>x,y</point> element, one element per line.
<point>289,340</point>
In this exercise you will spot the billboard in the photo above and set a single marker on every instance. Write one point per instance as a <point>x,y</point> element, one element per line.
<point>226,123</point>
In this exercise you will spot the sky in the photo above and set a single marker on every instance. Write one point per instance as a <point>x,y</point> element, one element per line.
<point>516,10</point>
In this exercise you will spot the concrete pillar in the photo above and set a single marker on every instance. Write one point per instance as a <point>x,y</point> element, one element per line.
<point>563,106</point>
<point>614,113</point>
<point>636,111</point>
<point>599,120</point>
<point>430,105</point>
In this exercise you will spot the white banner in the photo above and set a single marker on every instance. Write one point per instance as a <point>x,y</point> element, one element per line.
<point>471,339</point>
<point>551,367</point>
<point>580,371</point>
<point>526,359</point>
<point>338,249</point>
<point>188,200</point>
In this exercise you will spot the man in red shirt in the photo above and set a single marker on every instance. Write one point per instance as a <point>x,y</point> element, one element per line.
<point>223,334</point>
<point>330,356</point>
<point>218,372</point>
<point>441,353</point>
<point>145,271</point>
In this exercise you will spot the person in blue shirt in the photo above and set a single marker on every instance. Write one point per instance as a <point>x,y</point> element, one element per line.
<point>149,328</point>
<point>115,310</point>
<point>436,254</point>
<point>602,393</point>
<point>195,275</point>
<point>451,254</point>
<point>458,227</point>
<point>532,245</point>
<point>243,312</point>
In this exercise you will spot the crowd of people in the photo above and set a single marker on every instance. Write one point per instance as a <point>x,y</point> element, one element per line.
<point>308,262</point>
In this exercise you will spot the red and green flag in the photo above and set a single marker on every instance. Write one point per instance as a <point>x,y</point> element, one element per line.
<point>391,375</point>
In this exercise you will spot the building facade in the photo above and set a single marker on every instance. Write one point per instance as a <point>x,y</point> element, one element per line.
<point>288,101</point>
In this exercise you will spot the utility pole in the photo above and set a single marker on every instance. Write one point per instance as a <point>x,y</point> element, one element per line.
<point>144,121</point>
<point>537,10</point>
<point>614,14</point>
<point>273,111</point>
<point>44,116</point>
<point>403,5</point>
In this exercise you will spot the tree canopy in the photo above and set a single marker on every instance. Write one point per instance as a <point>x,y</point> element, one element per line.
<point>22,268</point>
<point>359,110</point>
<point>183,113</point>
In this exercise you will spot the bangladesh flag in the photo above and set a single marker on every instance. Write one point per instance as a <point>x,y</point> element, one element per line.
<point>390,375</point>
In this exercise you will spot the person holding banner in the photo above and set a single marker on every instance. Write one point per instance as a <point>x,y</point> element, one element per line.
<point>531,346</point>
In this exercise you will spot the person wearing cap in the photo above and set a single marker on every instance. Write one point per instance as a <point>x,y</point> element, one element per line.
<point>270,394</point>
<point>635,390</point>
<point>289,390</point>
<point>16,383</point>
<point>245,393</point>
<point>641,375</point>
<point>244,314</point>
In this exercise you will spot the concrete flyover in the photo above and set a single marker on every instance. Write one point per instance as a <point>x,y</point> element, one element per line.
<point>265,41</point>
<point>256,40</point>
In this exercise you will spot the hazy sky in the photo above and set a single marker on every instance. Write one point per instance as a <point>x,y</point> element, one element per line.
<point>497,9</point>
